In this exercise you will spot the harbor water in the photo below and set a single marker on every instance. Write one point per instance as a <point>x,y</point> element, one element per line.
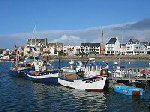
<point>21,95</point>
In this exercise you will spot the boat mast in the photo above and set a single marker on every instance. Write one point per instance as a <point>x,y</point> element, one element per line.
<point>34,34</point>
<point>34,38</point>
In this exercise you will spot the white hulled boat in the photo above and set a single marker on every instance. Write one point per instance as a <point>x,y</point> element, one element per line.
<point>96,83</point>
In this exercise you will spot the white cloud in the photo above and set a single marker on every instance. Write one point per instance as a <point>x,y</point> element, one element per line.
<point>92,34</point>
<point>69,39</point>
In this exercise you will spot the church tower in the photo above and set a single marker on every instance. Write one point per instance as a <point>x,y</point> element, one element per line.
<point>102,45</point>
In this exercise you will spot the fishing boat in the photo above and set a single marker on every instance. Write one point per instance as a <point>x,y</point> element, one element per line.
<point>95,84</point>
<point>90,76</point>
<point>49,77</point>
<point>19,67</point>
<point>40,73</point>
<point>18,70</point>
<point>128,90</point>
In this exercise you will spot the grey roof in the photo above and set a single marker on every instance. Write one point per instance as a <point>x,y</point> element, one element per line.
<point>112,41</point>
<point>134,41</point>
<point>55,44</point>
<point>145,43</point>
<point>90,44</point>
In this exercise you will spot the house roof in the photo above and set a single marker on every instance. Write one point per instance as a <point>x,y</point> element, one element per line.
<point>112,41</point>
<point>134,41</point>
<point>90,44</point>
<point>56,44</point>
<point>145,43</point>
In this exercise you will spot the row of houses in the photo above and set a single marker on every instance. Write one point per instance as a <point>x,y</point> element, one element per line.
<point>112,47</point>
<point>132,47</point>
<point>5,54</point>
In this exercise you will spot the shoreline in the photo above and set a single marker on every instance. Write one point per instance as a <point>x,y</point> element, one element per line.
<point>97,57</point>
<point>103,57</point>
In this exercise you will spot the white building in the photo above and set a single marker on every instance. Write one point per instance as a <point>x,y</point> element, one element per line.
<point>122,49</point>
<point>36,42</point>
<point>35,46</point>
<point>113,46</point>
<point>30,51</point>
<point>71,50</point>
<point>54,48</point>
<point>90,48</point>
<point>147,45</point>
<point>134,47</point>
<point>148,49</point>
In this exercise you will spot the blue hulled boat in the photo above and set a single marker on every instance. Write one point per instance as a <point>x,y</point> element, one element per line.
<point>41,73</point>
<point>48,77</point>
<point>128,90</point>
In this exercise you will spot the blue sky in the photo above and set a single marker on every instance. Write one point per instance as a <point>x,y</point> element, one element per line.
<point>21,15</point>
<point>73,21</point>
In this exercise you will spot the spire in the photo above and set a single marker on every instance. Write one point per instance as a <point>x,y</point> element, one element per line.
<point>102,33</point>
<point>102,36</point>
<point>102,45</point>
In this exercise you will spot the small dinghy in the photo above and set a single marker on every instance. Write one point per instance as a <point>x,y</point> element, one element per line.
<point>128,90</point>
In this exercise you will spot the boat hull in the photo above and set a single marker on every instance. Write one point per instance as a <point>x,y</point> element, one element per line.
<point>17,73</point>
<point>47,78</point>
<point>128,90</point>
<point>90,84</point>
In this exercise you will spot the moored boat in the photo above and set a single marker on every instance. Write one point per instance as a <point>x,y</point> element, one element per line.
<point>128,90</point>
<point>96,83</point>
<point>15,71</point>
<point>18,70</point>
<point>42,74</point>
<point>49,77</point>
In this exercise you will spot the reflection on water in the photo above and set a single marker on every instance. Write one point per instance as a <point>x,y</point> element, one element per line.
<point>67,99</point>
<point>91,100</point>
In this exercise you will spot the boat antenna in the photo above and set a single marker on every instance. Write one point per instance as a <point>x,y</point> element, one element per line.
<point>34,38</point>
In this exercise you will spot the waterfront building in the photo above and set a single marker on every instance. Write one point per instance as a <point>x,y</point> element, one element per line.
<point>54,48</point>
<point>122,49</point>
<point>91,48</point>
<point>32,50</point>
<point>5,54</point>
<point>148,48</point>
<point>147,45</point>
<point>35,46</point>
<point>20,50</point>
<point>113,46</point>
<point>134,47</point>
<point>36,42</point>
<point>71,50</point>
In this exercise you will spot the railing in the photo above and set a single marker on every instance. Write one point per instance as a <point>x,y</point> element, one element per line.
<point>131,74</point>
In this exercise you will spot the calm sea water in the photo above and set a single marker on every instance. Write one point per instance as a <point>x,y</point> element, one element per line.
<point>21,95</point>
